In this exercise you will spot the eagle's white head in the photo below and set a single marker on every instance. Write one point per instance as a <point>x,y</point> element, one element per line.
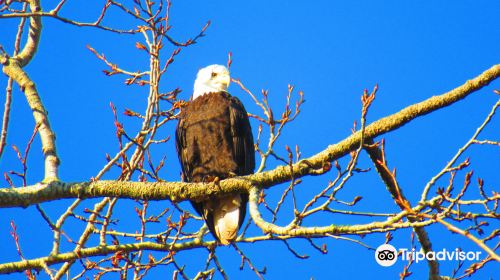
<point>213,78</point>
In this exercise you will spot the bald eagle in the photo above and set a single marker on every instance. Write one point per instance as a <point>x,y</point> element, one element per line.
<point>214,140</point>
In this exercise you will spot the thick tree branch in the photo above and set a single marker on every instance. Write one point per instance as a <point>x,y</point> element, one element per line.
<point>35,29</point>
<point>377,155</point>
<point>178,191</point>
<point>13,68</point>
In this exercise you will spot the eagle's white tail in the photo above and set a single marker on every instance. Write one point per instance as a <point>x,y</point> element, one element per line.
<point>226,218</point>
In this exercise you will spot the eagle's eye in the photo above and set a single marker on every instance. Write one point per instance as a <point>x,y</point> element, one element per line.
<point>214,74</point>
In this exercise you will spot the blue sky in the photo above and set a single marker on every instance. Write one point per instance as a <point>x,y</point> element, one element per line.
<point>331,50</point>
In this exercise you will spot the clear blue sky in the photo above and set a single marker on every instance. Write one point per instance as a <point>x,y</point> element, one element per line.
<point>331,50</point>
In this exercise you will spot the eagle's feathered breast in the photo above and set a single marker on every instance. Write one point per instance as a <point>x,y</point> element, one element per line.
<point>214,139</point>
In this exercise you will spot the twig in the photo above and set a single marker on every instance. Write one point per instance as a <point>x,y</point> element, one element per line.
<point>459,152</point>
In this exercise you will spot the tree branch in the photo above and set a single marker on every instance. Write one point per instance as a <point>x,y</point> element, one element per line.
<point>377,155</point>
<point>98,251</point>
<point>390,224</point>
<point>29,50</point>
<point>13,68</point>
<point>178,191</point>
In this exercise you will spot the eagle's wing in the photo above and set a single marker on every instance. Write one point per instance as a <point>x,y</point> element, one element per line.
<point>182,151</point>
<point>241,131</point>
<point>243,146</point>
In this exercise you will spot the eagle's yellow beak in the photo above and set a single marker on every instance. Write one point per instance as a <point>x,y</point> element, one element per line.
<point>225,80</point>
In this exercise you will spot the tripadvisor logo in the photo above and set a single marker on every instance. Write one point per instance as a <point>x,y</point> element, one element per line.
<point>387,255</point>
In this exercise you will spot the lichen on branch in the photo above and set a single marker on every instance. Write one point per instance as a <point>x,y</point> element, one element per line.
<point>179,191</point>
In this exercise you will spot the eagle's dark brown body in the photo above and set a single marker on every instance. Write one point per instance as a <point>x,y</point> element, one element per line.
<point>214,140</point>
